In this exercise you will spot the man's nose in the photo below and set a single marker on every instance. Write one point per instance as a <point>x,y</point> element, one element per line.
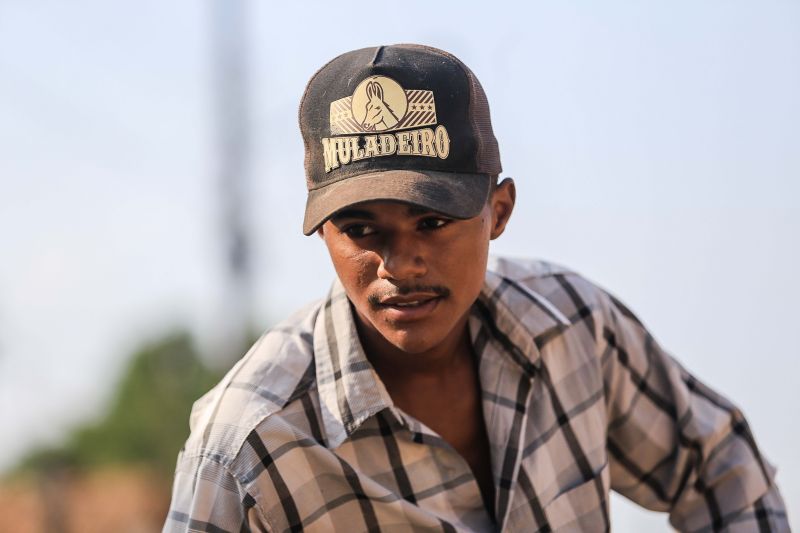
<point>401,259</point>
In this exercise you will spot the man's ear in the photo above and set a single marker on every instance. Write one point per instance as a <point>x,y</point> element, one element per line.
<point>502,204</point>
<point>320,233</point>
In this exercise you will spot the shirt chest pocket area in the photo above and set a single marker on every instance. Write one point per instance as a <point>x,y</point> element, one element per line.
<point>583,507</point>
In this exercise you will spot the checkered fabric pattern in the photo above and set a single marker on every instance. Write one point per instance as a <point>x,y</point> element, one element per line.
<point>578,399</point>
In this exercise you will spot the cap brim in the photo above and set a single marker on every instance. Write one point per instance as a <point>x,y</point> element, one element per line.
<point>452,194</point>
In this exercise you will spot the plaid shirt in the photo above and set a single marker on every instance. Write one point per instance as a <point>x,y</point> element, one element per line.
<point>578,399</point>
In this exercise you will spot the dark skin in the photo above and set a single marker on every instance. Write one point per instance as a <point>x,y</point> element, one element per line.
<point>412,276</point>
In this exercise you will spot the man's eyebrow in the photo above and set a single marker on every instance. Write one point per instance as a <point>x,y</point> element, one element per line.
<point>411,211</point>
<point>353,213</point>
<point>415,211</point>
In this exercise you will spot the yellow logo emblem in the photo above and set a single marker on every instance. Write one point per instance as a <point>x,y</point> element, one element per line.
<point>379,103</point>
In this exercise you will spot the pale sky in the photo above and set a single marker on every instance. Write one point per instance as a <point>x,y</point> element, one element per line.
<point>655,146</point>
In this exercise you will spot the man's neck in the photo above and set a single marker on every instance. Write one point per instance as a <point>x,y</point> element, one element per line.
<point>394,365</point>
<point>441,388</point>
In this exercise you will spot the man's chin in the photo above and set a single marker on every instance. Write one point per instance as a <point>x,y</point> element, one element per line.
<point>409,340</point>
<point>412,337</point>
<point>413,347</point>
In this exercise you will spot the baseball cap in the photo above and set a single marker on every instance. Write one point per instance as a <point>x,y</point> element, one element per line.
<point>404,122</point>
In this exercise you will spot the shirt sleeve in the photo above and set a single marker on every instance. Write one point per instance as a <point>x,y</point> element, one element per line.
<point>207,497</point>
<point>674,444</point>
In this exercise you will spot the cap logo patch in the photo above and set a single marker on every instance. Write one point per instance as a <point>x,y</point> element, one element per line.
<point>380,104</point>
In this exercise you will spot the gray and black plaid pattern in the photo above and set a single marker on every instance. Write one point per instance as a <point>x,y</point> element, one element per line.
<point>578,399</point>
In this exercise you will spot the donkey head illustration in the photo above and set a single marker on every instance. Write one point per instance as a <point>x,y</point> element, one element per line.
<point>379,115</point>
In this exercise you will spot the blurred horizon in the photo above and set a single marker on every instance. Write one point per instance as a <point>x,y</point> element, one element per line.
<point>654,147</point>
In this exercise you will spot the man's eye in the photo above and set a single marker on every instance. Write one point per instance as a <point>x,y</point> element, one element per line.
<point>433,223</point>
<point>358,230</point>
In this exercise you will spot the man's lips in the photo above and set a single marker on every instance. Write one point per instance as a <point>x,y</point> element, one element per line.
<point>409,309</point>
<point>408,300</point>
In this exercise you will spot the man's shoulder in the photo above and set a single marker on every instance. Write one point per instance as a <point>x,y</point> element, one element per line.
<point>568,291</point>
<point>521,269</point>
<point>275,372</point>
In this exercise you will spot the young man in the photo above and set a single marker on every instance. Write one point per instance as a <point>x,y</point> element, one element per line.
<point>434,389</point>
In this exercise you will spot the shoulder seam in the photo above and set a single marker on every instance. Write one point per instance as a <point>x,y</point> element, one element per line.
<point>256,505</point>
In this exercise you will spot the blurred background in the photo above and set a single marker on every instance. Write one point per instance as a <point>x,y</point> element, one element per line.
<point>152,192</point>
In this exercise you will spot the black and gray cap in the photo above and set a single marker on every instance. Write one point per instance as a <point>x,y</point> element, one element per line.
<point>403,122</point>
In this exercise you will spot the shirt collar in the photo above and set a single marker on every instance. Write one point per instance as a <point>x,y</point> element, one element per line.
<point>518,317</point>
<point>350,390</point>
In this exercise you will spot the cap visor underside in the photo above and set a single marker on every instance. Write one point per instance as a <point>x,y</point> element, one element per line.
<point>452,194</point>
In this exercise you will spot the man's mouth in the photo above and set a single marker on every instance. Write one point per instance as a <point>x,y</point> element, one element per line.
<point>409,303</point>
<point>411,309</point>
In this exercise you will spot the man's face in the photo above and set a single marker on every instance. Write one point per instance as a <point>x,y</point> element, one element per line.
<point>413,274</point>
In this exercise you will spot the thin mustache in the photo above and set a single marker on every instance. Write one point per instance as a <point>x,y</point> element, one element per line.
<point>375,299</point>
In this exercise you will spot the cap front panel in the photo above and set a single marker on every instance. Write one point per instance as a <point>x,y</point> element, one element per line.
<point>387,109</point>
